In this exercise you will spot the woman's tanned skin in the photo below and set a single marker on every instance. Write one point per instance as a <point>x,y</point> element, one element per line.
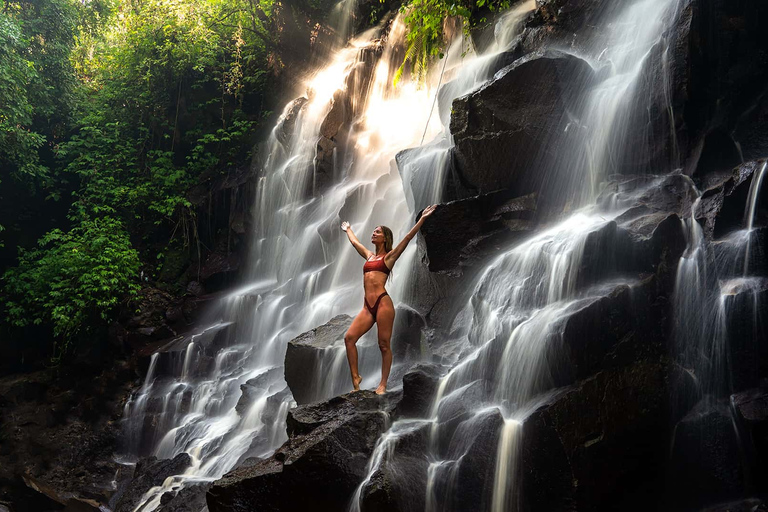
<point>373,285</point>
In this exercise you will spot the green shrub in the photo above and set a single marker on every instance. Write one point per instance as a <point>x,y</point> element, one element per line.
<point>74,280</point>
<point>424,22</point>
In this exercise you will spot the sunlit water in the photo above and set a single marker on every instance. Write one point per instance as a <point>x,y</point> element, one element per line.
<point>303,271</point>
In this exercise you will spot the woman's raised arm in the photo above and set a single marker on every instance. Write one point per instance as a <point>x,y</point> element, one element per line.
<point>364,252</point>
<point>395,253</point>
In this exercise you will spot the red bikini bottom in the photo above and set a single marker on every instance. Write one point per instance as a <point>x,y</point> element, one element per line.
<point>375,308</point>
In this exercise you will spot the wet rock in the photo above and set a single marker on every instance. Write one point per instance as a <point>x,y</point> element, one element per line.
<point>706,460</point>
<point>326,458</point>
<point>474,447</point>
<point>459,403</point>
<point>219,270</point>
<point>360,78</point>
<point>599,441</point>
<point>612,329</point>
<point>256,387</point>
<point>468,231</point>
<point>407,334</point>
<point>724,199</point>
<point>726,77</point>
<point>59,429</point>
<point>339,113</point>
<point>285,129</point>
<point>503,128</point>
<point>150,472</point>
<point>398,484</point>
<point>419,387</point>
<point>430,170</point>
<point>325,147</point>
<point>752,409</point>
<point>746,312</point>
<point>189,499</point>
<point>307,351</point>
<point>748,505</point>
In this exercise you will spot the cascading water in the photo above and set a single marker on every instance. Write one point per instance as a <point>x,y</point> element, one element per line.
<point>509,358</point>
<point>303,272</point>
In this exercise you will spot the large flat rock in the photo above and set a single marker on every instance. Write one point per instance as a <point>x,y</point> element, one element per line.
<point>325,458</point>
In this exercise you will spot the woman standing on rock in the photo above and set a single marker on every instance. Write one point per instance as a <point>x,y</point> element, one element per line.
<point>377,306</point>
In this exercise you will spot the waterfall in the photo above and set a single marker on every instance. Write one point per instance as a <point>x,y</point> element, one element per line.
<point>508,361</point>
<point>302,271</point>
<point>749,214</point>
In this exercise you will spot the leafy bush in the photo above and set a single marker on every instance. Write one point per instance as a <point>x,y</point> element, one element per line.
<point>74,280</point>
<point>424,21</point>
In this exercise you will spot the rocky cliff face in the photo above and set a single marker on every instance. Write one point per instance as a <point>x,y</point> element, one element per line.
<point>623,388</point>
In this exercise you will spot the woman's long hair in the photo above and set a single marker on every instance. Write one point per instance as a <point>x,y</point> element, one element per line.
<point>389,239</point>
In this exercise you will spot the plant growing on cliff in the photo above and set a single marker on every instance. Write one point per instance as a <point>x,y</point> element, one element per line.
<point>425,19</point>
<point>73,280</point>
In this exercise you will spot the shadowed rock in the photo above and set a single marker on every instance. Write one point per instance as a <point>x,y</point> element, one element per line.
<point>307,351</point>
<point>325,457</point>
<point>706,458</point>
<point>598,441</point>
<point>503,128</point>
<point>149,473</point>
<point>468,231</point>
<point>751,407</point>
<point>419,388</point>
<point>398,484</point>
<point>746,312</point>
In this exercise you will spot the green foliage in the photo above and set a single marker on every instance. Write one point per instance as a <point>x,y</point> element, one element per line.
<point>73,280</point>
<point>117,108</point>
<point>424,20</point>
<point>18,142</point>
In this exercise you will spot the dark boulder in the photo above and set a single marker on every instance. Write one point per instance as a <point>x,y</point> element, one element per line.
<point>745,303</point>
<point>724,198</point>
<point>748,505</point>
<point>475,472</point>
<point>611,329</point>
<point>419,387</point>
<point>752,411</point>
<point>255,388</point>
<point>595,445</point>
<point>398,483</point>
<point>706,465</point>
<point>466,481</point>
<point>726,80</point>
<point>501,130</point>
<point>220,270</point>
<point>286,126</point>
<point>307,352</point>
<point>150,472</point>
<point>407,334</point>
<point>190,498</point>
<point>469,231</point>
<point>325,457</point>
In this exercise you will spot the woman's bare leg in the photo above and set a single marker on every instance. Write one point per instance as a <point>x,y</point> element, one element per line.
<point>385,319</point>
<point>360,325</point>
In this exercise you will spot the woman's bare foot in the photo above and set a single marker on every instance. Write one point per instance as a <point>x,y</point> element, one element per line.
<point>381,389</point>
<point>356,383</point>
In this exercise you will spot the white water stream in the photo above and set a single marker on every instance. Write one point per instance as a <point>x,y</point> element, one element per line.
<point>303,271</point>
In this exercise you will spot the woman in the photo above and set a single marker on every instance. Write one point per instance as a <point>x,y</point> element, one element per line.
<point>377,306</point>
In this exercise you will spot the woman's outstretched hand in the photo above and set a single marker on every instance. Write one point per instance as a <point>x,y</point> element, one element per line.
<point>428,211</point>
<point>344,226</point>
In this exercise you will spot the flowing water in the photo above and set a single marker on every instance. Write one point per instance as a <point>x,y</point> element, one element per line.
<point>303,271</point>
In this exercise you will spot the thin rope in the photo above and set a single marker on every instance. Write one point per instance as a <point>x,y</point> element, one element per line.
<point>439,82</point>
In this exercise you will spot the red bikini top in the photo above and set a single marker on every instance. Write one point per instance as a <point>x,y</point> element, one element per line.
<point>376,265</point>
